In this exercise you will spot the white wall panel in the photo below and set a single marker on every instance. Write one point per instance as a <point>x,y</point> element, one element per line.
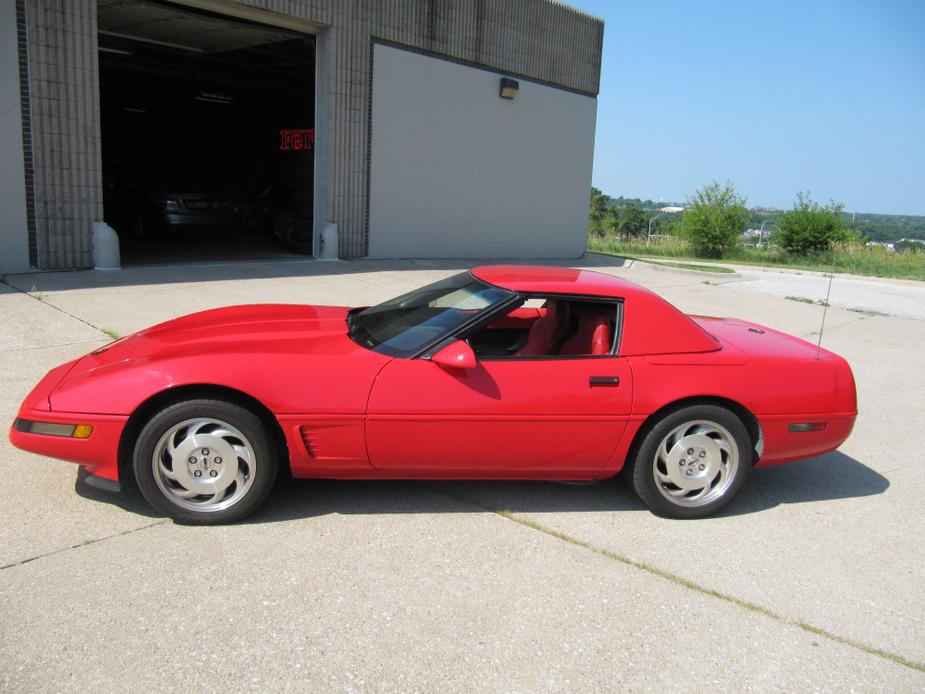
<point>14,245</point>
<point>456,171</point>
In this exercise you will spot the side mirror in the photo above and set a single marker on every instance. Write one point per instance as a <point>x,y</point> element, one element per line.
<point>456,355</point>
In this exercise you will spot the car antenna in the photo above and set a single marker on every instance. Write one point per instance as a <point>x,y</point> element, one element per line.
<point>825,305</point>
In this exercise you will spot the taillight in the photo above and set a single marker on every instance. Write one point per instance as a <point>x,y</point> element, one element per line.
<point>804,427</point>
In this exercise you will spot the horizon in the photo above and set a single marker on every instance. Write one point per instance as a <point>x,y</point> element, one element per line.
<point>826,98</point>
<point>752,208</point>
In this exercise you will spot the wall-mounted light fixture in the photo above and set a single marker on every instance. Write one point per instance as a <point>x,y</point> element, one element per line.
<point>214,98</point>
<point>509,88</point>
<point>114,51</point>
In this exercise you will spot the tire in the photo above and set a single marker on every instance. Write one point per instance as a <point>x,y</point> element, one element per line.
<point>691,462</point>
<point>205,462</point>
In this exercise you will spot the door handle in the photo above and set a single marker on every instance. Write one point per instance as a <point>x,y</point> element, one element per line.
<point>611,381</point>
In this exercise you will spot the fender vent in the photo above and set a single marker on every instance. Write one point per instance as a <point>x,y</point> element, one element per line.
<point>308,440</point>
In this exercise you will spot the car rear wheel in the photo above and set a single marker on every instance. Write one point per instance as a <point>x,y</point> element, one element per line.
<point>691,462</point>
<point>205,462</point>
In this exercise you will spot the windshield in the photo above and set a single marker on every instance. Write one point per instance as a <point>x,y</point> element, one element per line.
<point>406,325</point>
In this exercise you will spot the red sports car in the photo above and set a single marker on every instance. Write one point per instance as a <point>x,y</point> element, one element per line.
<point>502,372</point>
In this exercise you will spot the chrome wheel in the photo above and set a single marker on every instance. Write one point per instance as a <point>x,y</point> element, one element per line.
<point>695,463</point>
<point>204,465</point>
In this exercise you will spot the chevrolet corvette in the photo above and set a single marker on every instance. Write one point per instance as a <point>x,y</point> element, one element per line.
<point>501,372</point>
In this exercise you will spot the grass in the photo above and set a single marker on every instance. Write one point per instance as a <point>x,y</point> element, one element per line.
<point>856,260</point>
<point>807,300</point>
<point>110,333</point>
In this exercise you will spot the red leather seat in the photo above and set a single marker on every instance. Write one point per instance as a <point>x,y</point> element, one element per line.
<point>547,331</point>
<point>592,336</point>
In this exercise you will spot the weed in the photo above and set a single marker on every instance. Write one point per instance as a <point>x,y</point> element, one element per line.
<point>807,300</point>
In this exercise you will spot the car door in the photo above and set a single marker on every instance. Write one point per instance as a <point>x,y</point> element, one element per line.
<point>559,416</point>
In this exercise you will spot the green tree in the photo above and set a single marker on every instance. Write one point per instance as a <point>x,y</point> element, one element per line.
<point>599,219</point>
<point>909,246</point>
<point>809,227</point>
<point>715,219</point>
<point>629,220</point>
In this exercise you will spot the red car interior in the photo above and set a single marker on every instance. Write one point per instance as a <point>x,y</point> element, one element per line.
<point>592,336</point>
<point>548,331</point>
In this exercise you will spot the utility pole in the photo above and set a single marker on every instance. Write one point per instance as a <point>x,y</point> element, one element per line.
<point>768,244</point>
<point>651,219</point>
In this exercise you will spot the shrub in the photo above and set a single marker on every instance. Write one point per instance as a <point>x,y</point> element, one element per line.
<point>909,246</point>
<point>714,221</point>
<point>809,227</point>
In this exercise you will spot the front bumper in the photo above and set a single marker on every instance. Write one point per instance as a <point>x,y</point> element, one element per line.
<point>98,454</point>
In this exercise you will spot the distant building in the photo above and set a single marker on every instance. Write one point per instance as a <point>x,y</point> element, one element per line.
<point>671,209</point>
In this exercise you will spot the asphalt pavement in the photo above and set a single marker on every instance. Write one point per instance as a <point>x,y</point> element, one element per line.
<point>810,580</point>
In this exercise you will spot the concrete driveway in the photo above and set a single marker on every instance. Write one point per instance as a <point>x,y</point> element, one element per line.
<point>898,298</point>
<point>811,580</point>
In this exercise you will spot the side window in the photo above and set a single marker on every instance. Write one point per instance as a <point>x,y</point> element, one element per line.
<point>545,327</point>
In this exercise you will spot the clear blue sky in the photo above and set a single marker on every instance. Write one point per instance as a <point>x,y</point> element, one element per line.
<point>774,96</point>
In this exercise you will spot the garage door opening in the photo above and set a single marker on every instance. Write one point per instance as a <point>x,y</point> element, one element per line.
<point>207,134</point>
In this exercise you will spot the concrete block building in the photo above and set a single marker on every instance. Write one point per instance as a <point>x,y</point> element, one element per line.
<point>419,128</point>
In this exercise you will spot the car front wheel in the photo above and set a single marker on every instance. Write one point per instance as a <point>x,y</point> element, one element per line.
<point>691,462</point>
<point>205,462</point>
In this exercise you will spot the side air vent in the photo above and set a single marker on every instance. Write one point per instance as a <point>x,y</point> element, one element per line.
<point>308,440</point>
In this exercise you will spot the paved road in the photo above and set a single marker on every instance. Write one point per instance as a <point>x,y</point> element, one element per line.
<point>811,580</point>
<point>886,297</point>
<point>900,298</point>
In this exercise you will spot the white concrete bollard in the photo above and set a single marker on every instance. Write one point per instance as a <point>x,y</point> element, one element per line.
<point>105,247</point>
<point>328,242</point>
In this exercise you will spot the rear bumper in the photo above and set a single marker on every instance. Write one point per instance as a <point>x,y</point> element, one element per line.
<point>203,219</point>
<point>98,454</point>
<point>783,446</point>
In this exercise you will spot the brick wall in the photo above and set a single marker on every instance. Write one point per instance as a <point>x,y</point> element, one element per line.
<point>64,121</point>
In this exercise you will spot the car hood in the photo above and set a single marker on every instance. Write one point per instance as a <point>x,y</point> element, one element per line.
<point>283,355</point>
<point>258,328</point>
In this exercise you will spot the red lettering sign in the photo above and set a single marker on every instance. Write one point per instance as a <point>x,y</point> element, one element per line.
<point>296,140</point>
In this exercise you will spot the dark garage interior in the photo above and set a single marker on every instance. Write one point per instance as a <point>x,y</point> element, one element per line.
<point>207,127</point>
